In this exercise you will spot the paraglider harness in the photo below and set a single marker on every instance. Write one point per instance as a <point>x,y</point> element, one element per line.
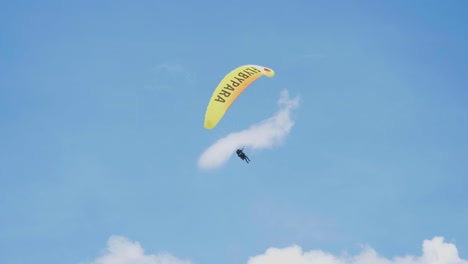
<point>242,155</point>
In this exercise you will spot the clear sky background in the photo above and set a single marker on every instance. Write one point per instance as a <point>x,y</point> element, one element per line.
<point>102,107</point>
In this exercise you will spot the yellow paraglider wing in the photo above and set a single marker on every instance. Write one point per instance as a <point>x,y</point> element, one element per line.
<point>232,85</point>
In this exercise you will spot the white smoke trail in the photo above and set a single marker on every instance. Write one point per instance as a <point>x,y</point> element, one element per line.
<point>266,134</point>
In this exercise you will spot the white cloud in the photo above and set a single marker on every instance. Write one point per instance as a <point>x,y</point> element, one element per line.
<point>266,134</point>
<point>122,251</point>
<point>434,251</point>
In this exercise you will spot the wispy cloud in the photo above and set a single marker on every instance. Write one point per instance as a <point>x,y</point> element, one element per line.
<point>266,134</point>
<point>434,251</point>
<point>170,68</point>
<point>122,251</point>
<point>285,221</point>
<point>168,76</point>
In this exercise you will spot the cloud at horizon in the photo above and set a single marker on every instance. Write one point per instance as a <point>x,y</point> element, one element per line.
<point>265,134</point>
<point>120,250</point>
<point>434,251</point>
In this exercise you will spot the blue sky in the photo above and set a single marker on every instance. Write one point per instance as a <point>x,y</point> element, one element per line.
<point>101,127</point>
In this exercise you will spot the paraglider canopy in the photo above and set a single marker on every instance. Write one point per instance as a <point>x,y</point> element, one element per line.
<point>230,87</point>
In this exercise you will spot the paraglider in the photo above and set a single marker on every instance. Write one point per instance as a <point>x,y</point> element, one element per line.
<point>229,89</point>
<point>241,154</point>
